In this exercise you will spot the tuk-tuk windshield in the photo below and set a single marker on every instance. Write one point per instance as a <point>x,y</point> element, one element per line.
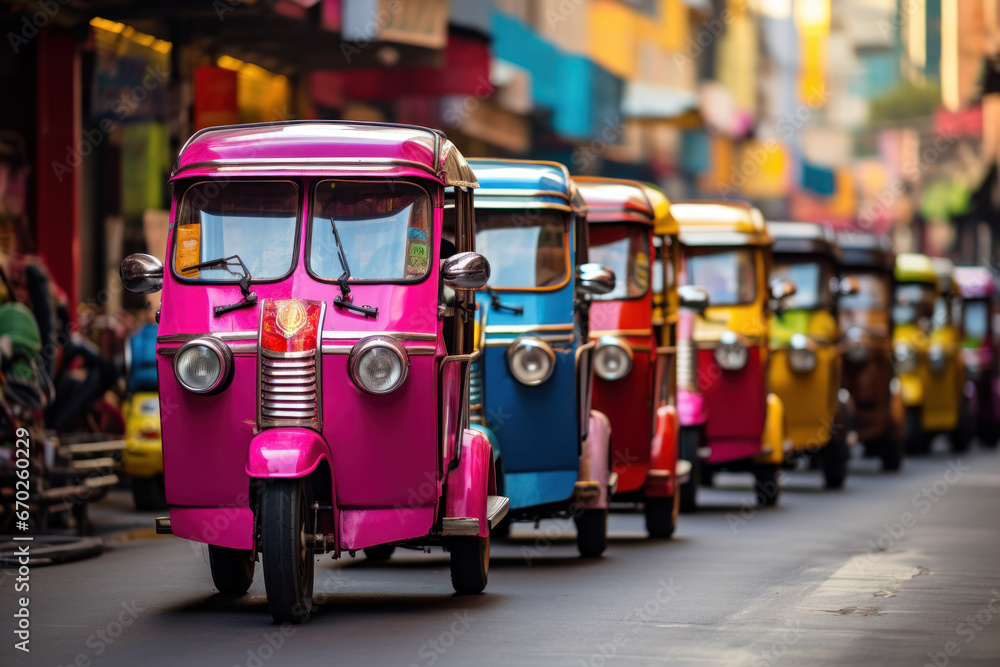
<point>868,308</point>
<point>386,229</point>
<point>812,283</point>
<point>527,248</point>
<point>977,314</point>
<point>256,220</point>
<point>728,274</point>
<point>625,250</point>
<point>913,302</point>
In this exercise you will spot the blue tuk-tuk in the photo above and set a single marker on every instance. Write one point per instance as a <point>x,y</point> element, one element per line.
<point>531,389</point>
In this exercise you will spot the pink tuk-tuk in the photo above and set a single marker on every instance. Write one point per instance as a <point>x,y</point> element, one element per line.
<point>315,339</point>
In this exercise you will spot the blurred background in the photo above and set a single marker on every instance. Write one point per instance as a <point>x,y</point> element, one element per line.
<point>878,114</point>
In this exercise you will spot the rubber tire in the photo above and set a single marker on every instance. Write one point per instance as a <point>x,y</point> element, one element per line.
<point>232,569</point>
<point>767,486</point>
<point>149,493</point>
<point>989,433</point>
<point>834,459</point>
<point>380,553</point>
<point>690,441</point>
<point>470,564</point>
<point>661,516</point>
<point>591,532</point>
<point>891,451</point>
<point>288,564</point>
<point>915,440</point>
<point>961,437</point>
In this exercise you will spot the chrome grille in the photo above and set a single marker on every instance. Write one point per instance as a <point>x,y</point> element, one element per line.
<point>687,364</point>
<point>288,390</point>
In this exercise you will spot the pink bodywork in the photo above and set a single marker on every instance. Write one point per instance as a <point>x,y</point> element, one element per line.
<point>384,453</point>
<point>594,459</point>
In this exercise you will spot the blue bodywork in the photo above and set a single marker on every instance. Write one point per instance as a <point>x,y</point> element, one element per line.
<point>141,348</point>
<point>536,430</point>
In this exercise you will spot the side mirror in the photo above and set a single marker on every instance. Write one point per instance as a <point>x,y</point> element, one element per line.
<point>693,298</point>
<point>466,270</point>
<point>848,286</point>
<point>782,289</point>
<point>592,278</point>
<point>141,273</point>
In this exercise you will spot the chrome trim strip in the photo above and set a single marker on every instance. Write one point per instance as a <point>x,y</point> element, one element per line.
<point>522,192</point>
<point>221,335</point>
<point>459,525</point>
<point>530,328</point>
<point>358,335</point>
<point>504,342</point>
<point>336,349</point>
<point>624,333</point>
<point>415,351</point>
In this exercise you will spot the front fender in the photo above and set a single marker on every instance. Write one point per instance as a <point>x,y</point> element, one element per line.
<point>691,408</point>
<point>662,476</point>
<point>472,481</point>
<point>773,441</point>
<point>286,453</point>
<point>594,472</point>
<point>911,389</point>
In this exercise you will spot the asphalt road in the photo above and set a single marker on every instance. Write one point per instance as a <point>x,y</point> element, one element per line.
<point>894,570</point>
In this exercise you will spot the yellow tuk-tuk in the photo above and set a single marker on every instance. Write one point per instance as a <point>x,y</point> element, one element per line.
<point>805,344</point>
<point>927,309</point>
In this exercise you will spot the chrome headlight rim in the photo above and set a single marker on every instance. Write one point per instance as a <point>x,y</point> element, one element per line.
<point>526,342</point>
<point>937,357</point>
<point>225,356</point>
<point>605,342</point>
<point>364,347</point>
<point>731,341</point>
<point>905,356</point>
<point>801,354</point>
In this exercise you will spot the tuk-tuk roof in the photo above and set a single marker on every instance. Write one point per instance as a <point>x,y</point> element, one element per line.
<point>861,250</point>
<point>720,222</point>
<point>975,282</point>
<point>665,223</point>
<point>810,238</point>
<point>324,147</point>
<point>615,200</point>
<point>912,267</point>
<point>945,270</point>
<point>525,184</point>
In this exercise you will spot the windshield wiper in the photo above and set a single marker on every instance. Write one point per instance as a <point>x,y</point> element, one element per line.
<point>345,298</point>
<point>249,298</point>
<point>498,304</point>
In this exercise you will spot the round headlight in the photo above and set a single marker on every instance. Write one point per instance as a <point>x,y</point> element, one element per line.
<point>731,354</point>
<point>906,357</point>
<point>612,358</point>
<point>378,364</point>
<point>531,361</point>
<point>204,366</point>
<point>800,357</point>
<point>937,357</point>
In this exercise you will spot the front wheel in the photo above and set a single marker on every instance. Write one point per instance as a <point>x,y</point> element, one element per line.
<point>914,438</point>
<point>834,461</point>
<point>661,516</point>
<point>232,569</point>
<point>286,548</point>
<point>592,532</point>
<point>691,439</point>
<point>768,484</point>
<point>470,564</point>
<point>891,449</point>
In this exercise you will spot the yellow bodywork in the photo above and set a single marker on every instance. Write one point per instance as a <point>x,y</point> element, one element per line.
<point>810,398</point>
<point>143,455</point>
<point>773,438</point>
<point>912,384</point>
<point>943,395</point>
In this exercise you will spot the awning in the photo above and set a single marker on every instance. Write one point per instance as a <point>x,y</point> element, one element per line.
<point>652,101</point>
